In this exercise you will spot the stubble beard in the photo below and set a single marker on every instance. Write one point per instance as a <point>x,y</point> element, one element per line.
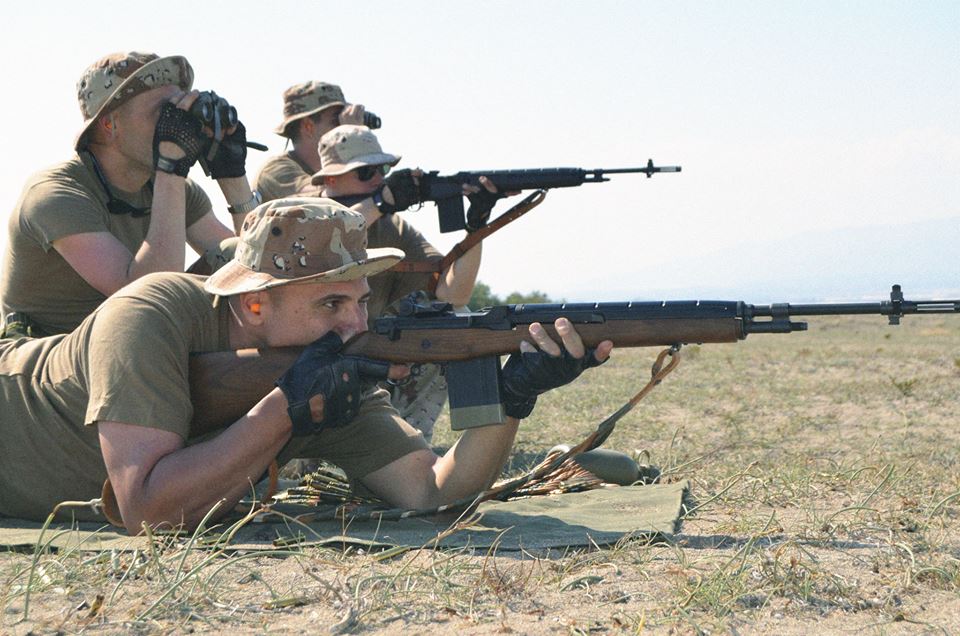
<point>138,155</point>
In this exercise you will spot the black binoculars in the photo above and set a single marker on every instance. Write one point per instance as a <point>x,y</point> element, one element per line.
<point>214,111</point>
<point>370,120</point>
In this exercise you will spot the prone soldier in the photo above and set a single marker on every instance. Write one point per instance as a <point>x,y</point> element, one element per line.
<point>111,400</point>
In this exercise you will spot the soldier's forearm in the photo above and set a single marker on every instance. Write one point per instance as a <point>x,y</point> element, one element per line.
<point>238,194</point>
<point>457,281</point>
<point>474,462</point>
<point>162,248</point>
<point>183,486</point>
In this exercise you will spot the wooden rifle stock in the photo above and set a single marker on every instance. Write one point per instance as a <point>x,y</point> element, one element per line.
<point>224,385</point>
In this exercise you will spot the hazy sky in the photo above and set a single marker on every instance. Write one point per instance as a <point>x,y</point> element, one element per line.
<point>786,117</point>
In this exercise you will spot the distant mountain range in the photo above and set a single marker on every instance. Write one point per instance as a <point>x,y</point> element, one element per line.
<point>851,264</point>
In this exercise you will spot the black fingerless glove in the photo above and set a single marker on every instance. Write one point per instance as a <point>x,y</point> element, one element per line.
<point>183,129</point>
<point>405,191</point>
<point>231,156</point>
<point>324,388</point>
<point>481,204</point>
<point>527,375</point>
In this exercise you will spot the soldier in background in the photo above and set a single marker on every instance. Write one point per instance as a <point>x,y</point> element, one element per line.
<point>310,110</point>
<point>313,109</point>
<point>354,172</point>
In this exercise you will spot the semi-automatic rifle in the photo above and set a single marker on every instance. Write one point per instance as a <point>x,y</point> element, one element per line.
<point>225,385</point>
<point>447,190</point>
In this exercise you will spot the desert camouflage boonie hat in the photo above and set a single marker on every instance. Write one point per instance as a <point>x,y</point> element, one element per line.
<point>348,147</point>
<point>298,240</point>
<point>308,98</point>
<point>114,79</point>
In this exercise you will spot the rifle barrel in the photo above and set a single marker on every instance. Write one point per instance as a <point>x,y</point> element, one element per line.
<point>882,308</point>
<point>647,169</point>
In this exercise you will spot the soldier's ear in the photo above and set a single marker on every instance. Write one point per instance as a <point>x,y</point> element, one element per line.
<point>305,128</point>
<point>252,307</point>
<point>106,127</point>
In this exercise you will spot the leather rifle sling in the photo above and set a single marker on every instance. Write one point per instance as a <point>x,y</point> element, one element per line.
<point>436,267</point>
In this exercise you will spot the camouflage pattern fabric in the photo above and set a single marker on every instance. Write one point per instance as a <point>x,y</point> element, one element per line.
<point>116,78</point>
<point>348,147</point>
<point>300,239</point>
<point>213,259</point>
<point>420,400</point>
<point>308,98</point>
<point>17,325</point>
<point>222,254</point>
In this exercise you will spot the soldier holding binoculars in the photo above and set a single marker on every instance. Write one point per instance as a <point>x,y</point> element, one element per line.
<point>310,110</point>
<point>122,207</point>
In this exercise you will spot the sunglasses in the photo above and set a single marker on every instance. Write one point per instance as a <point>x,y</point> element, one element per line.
<point>365,173</point>
<point>114,205</point>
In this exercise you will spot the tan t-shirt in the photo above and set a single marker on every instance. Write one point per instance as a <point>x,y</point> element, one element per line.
<point>386,288</point>
<point>128,362</point>
<point>58,202</point>
<point>281,176</point>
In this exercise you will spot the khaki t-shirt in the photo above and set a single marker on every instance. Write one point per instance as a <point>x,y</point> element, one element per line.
<point>281,176</point>
<point>390,286</point>
<point>58,202</point>
<point>128,362</point>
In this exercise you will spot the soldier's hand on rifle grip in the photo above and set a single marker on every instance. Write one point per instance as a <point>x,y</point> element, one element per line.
<point>401,189</point>
<point>537,369</point>
<point>324,388</point>
<point>482,201</point>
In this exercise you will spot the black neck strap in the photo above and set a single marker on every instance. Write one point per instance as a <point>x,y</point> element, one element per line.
<point>115,205</point>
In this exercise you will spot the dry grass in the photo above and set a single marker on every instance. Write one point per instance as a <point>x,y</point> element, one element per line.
<point>824,464</point>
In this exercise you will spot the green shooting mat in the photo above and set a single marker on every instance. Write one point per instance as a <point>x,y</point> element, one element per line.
<point>599,517</point>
